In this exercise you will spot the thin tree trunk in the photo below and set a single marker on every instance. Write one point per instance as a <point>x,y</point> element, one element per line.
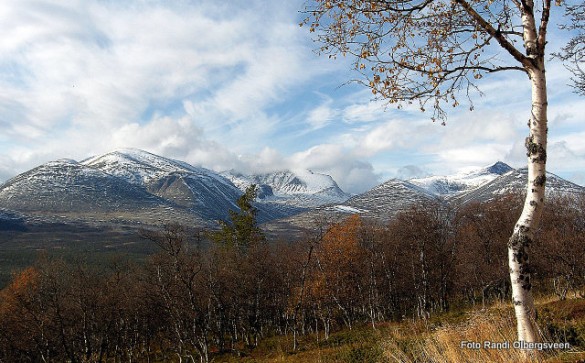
<point>536,144</point>
<point>522,238</point>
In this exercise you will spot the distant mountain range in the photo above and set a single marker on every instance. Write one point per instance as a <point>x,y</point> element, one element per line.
<point>393,196</point>
<point>134,187</point>
<point>446,186</point>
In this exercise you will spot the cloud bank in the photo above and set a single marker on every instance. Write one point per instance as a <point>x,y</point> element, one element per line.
<point>237,86</point>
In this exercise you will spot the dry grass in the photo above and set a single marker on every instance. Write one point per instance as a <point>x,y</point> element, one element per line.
<point>496,325</point>
<point>433,341</point>
<point>446,344</point>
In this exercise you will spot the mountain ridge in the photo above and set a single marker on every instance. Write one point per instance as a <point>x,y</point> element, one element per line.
<point>140,188</point>
<point>393,196</point>
<point>312,189</point>
<point>145,187</point>
<point>461,182</point>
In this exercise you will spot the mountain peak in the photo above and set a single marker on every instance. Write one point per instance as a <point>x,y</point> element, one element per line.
<point>499,168</point>
<point>138,166</point>
<point>127,155</point>
<point>462,181</point>
<point>291,186</point>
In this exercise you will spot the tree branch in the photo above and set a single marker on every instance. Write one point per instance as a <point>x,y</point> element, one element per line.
<point>543,25</point>
<point>496,34</point>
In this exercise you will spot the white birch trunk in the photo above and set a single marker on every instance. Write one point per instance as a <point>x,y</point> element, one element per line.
<point>519,244</point>
<point>523,235</point>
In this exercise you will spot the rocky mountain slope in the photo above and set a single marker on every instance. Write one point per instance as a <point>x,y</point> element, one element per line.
<point>304,188</point>
<point>134,186</point>
<point>384,201</point>
<point>379,203</point>
<point>68,190</point>
<point>192,189</point>
<point>461,182</point>
<point>515,181</point>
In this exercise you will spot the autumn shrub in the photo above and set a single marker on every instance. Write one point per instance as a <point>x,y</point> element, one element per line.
<point>362,353</point>
<point>564,321</point>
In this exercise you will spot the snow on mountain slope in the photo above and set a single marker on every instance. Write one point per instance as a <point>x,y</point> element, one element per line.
<point>515,182</point>
<point>302,188</point>
<point>129,182</point>
<point>379,203</point>
<point>208,193</point>
<point>67,186</point>
<point>462,182</point>
<point>140,167</point>
<point>390,198</point>
<point>142,187</point>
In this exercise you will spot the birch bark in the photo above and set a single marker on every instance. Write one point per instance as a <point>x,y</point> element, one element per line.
<point>536,143</point>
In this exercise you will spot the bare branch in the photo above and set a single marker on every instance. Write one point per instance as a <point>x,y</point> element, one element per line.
<point>496,33</point>
<point>543,25</point>
<point>573,54</point>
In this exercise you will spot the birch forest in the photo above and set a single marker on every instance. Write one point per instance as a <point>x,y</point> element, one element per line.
<point>198,298</point>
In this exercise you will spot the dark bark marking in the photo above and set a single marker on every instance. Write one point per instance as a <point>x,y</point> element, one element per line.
<point>539,181</point>
<point>523,229</point>
<point>531,147</point>
<point>540,155</point>
<point>536,150</point>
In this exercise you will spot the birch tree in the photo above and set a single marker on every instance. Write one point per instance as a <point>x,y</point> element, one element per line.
<point>573,53</point>
<point>433,53</point>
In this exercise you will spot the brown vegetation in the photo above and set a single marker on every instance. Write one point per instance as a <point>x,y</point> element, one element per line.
<point>196,300</point>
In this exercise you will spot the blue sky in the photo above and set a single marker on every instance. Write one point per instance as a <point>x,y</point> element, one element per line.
<point>237,85</point>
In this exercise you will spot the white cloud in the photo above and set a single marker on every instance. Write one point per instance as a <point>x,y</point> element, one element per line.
<point>477,155</point>
<point>352,173</point>
<point>162,135</point>
<point>236,85</point>
<point>125,74</point>
<point>364,112</point>
<point>411,171</point>
<point>393,135</point>
<point>322,115</point>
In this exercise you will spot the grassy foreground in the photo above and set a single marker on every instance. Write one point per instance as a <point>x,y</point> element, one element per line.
<point>436,340</point>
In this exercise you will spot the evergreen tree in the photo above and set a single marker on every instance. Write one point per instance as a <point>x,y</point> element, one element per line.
<point>242,228</point>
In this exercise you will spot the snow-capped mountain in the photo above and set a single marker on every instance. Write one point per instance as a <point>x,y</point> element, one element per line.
<point>302,188</point>
<point>379,203</point>
<point>135,186</point>
<point>197,189</point>
<point>65,189</point>
<point>141,167</point>
<point>461,182</point>
<point>393,196</point>
<point>130,186</point>
<point>515,181</point>
<point>387,199</point>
